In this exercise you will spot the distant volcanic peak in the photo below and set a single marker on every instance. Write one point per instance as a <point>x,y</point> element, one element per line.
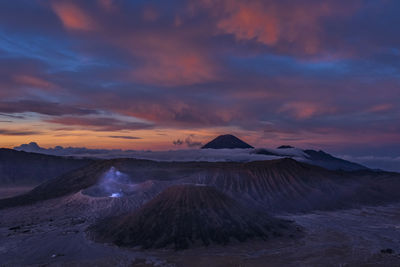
<point>227,141</point>
<point>186,215</point>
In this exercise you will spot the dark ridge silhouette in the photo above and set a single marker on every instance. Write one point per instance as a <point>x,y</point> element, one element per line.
<point>139,171</point>
<point>186,215</point>
<point>284,147</point>
<point>23,168</point>
<point>226,141</point>
<point>68,183</point>
<point>289,186</point>
<point>318,158</point>
<point>328,161</point>
<point>278,186</point>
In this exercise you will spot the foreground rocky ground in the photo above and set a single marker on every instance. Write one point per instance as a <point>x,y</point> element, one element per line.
<point>53,233</point>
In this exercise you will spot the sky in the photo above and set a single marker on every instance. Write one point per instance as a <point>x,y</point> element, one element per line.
<point>163,75</point>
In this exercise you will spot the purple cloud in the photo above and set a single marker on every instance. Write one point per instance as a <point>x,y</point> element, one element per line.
<point>304,72</point>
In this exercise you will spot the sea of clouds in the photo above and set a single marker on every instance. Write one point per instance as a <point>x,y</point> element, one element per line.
<point>240,155</point>
<point>211,155</point>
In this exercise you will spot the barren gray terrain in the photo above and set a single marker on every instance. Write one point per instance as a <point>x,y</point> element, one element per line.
<point>54,234</point>
<point>346,218</point>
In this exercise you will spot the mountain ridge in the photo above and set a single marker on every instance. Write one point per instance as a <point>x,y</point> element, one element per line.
<point>282,185</point>
<point>27,168</point>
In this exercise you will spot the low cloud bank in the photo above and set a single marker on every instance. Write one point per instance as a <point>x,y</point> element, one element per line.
<point>212,155</point>
<point>170,155</point>
<point>373,162</point>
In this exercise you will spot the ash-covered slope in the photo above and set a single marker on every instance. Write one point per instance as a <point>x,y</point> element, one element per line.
<point>282,185</point>
<point>63,185</point>
<point>23,168</point>
<point>286,185</point>
<point>226,141</point>
<point>186,215</point>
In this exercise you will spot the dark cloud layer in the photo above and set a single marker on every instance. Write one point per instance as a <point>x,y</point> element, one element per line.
<point>100,123</point>
<point>42,107</point>
<point>125,137</point>
<point>18,132</point>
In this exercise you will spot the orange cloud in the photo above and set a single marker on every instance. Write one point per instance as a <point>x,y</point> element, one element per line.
<point>162,57</point>
<point>169,60</point>
<point>280,24</point>
<point>173,70</point>
<point>381,108</point>
<point>107,4</point>
<point>33,81</point>
<point>250,21</point>
<point>304,110</point>
<point>72,16</point>
<point>150,14</point>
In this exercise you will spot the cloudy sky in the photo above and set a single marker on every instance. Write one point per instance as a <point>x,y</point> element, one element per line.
<point>150,74</point>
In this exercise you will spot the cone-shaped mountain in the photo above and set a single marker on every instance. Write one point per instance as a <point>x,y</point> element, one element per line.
<point>227,141</point>
<point>187,215</point>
